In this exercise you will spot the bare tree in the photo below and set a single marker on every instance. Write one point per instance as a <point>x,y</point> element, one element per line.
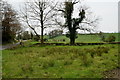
<point>25,18</point>
<point>39,13</point>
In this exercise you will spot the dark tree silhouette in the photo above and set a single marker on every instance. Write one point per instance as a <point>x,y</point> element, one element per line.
<point>10,24</point>
<point>73,24</point>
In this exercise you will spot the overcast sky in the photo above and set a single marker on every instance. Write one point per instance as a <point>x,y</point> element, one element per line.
<point>107,10</point>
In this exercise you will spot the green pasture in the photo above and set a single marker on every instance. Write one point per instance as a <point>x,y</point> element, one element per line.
<point>59,61</point>
<point>84,38</point>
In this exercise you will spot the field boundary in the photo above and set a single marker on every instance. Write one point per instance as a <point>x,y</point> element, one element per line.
<point>77,44</point>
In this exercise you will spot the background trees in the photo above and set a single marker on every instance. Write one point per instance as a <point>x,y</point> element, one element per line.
<point>41,14</point>
<point>26,35</point>
<point>1,17</point>
<point>55,33</point>
<point>10,23</point>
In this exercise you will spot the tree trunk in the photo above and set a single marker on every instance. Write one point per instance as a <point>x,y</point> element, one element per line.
<point>42,41</point>
<point>42,26</point>
<point>72,41</point>
<point>72,37</point>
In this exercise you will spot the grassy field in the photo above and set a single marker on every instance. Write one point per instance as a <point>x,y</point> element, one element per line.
<point>59,61</point>
<point>86,38</point>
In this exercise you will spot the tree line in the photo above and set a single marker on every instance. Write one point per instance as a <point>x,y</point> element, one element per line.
<point>46,14</point>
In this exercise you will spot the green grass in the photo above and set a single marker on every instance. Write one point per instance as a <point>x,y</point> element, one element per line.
<point>59,61</point>
<point>85,38</point>
<point>88,38</point>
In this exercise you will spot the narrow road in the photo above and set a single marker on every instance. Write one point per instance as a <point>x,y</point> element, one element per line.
<point>8,46</point>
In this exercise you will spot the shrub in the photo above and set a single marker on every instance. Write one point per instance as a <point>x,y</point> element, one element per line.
<point>111,38</point>
<point>103,38</point>
<point>35,38</point>
<point>45,39</point>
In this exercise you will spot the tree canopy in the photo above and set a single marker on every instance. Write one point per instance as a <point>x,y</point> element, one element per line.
<point>10,23</point>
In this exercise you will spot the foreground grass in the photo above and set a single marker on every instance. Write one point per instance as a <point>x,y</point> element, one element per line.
<point>59,61</point>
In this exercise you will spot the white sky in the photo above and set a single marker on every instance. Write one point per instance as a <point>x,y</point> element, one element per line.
<point>107,10</point>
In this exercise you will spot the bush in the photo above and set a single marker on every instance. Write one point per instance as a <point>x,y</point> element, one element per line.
<point>111,38</point>
<point>45,39</point>
<point>26,35</point>
<point>35,38</point>
<point>103,38</point>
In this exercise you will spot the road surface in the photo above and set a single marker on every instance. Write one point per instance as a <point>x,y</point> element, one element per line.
<point>8,46</point>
